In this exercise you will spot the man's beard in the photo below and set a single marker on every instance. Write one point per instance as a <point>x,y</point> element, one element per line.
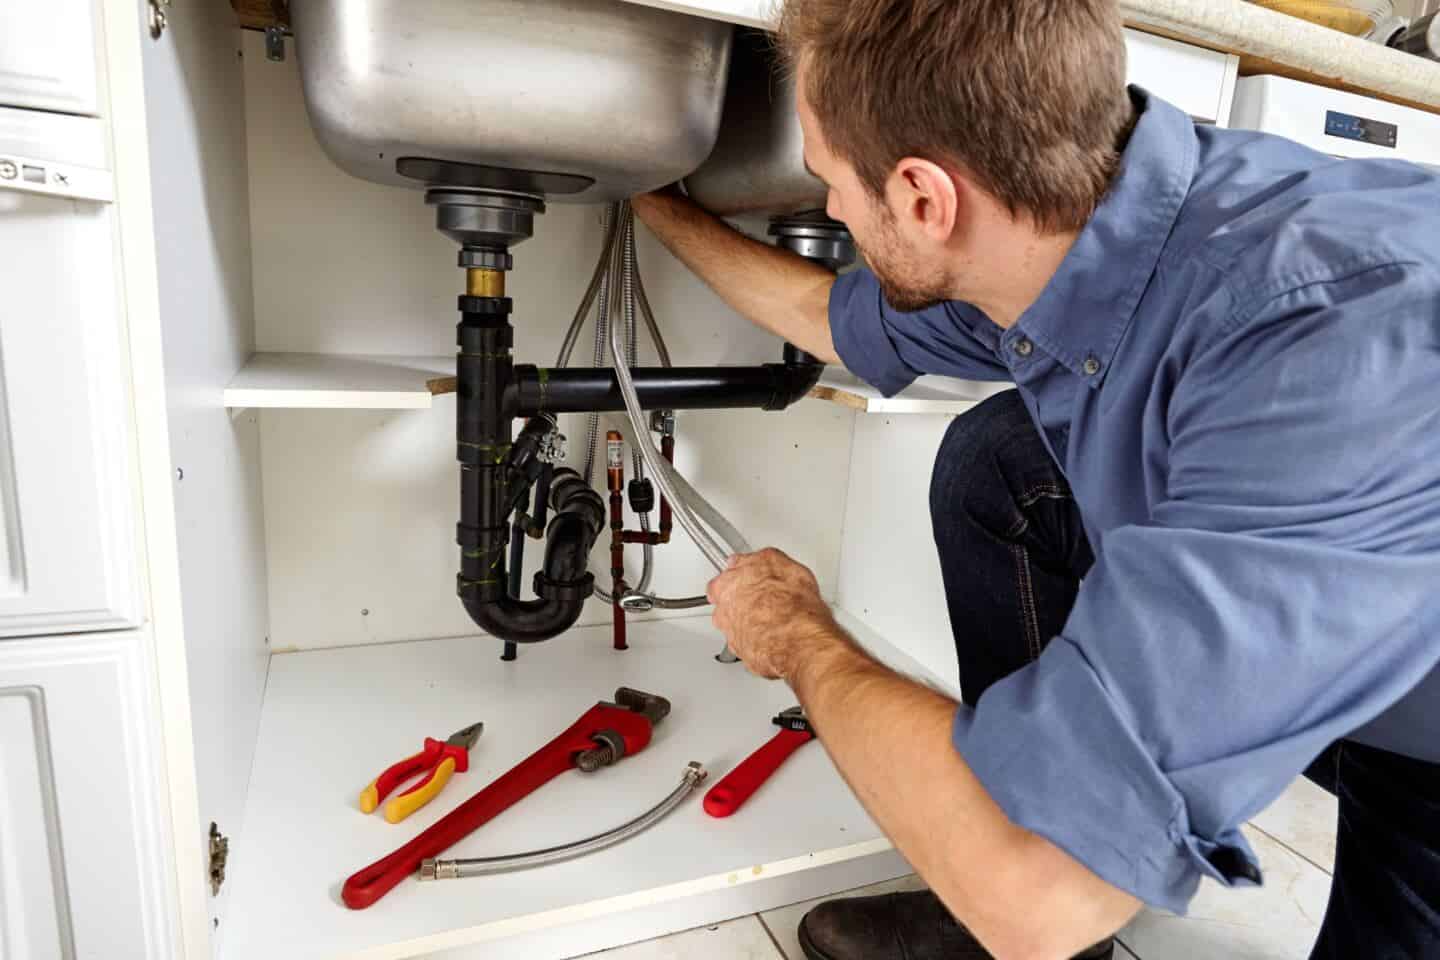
<point>894,270</point>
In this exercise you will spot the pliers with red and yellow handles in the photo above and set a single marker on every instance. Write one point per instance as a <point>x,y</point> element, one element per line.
<point>442,759</point>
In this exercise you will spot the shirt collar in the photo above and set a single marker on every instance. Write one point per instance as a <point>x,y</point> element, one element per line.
<point>1089,303</point>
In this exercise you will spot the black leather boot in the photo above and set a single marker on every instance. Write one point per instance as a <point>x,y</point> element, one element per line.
<point>897,926</point>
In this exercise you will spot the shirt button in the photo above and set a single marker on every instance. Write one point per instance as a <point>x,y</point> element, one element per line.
<point>1024,347</point>
<point>1092,366</point>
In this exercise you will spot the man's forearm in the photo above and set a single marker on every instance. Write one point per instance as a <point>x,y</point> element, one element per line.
<point>891,739</point>
<point>782,292</point>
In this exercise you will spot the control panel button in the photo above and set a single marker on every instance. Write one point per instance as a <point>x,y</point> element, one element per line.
<point>8,170</point>
<point>32,174</point>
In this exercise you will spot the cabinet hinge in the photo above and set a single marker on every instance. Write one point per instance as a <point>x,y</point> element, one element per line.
<point>219,853</point>
<point>158,16</point>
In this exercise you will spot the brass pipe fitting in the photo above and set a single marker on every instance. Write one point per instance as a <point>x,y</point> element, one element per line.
<point>484,282</point>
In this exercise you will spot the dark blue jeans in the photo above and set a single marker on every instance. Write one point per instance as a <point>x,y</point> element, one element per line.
<point>1012,552</point>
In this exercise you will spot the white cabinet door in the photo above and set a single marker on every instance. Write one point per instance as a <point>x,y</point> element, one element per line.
<point>48,55</point>
<point>66,490</point>
<point>81,856</point>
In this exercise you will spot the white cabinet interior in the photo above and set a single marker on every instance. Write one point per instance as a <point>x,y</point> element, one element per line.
<point>331,722</point>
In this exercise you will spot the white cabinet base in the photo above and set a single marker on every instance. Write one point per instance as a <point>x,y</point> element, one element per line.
<point>334,719</point>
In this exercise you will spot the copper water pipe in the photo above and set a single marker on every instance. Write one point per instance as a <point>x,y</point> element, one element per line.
<point>615,475</point>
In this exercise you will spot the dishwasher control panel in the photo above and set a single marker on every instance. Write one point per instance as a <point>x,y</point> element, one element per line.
<point>55,179</point>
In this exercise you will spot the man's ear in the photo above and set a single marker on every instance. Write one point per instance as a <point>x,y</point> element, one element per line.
<point>925,196</point>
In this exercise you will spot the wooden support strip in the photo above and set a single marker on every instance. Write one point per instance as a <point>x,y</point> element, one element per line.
<point>262,14</point>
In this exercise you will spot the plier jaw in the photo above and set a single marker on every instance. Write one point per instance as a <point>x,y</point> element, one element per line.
<point>465,737</point>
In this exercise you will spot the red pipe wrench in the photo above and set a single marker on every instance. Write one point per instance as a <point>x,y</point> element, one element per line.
<point>730,794</point>
<point>602,736</point>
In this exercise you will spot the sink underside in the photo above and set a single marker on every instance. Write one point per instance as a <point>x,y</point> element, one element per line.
<point>581,100</point>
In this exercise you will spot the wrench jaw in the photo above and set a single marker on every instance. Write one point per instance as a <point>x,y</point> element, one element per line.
<point>654,707</point>
<point>610,745</point>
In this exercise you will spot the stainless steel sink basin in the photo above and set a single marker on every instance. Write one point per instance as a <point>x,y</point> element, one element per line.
<point>758,165</point>
<point>584,100</point>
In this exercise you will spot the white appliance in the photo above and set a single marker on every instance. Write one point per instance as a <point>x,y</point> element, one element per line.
<point>1335,122</point>
<point>60,334</point>
<point>70,604</point>
<point>51,135</point>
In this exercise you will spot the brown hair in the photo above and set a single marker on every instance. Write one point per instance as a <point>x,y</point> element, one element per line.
<point>1026,96</point>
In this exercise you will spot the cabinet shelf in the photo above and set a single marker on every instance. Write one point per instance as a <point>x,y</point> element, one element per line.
<point>332,719</point>
<point>927,395</point>
<point>300,381</point>
<point>337,382</point>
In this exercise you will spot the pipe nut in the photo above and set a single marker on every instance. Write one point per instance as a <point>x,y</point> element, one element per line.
<point>481,258</point>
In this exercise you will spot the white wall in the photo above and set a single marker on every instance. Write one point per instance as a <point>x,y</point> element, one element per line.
<point>360,507</point>
<point>889,571</point>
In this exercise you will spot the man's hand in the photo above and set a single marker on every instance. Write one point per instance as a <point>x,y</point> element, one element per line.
<point>770,610</point>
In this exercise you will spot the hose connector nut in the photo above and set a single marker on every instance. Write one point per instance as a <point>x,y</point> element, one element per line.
<point>636,602</point>
<point>432,869</point>
<point>663,422</point>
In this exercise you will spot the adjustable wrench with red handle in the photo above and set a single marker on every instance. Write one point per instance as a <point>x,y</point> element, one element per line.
<point>602,736</point>
<point>730,794</point>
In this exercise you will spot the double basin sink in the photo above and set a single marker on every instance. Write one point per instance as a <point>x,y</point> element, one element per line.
<point>580,100</point>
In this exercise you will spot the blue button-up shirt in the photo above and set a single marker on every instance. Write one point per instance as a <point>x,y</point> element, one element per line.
<point>1238,368</point>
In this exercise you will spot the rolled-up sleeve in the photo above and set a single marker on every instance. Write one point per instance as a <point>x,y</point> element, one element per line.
<point>1282,595</point>
<point>889,349</point>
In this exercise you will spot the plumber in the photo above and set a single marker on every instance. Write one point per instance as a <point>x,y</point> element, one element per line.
<point>1194,554</point>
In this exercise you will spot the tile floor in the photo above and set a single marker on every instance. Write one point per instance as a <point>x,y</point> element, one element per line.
<point>1295,840</point>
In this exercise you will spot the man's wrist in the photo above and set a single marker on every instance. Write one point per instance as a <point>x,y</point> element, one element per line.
<point>825,652</point>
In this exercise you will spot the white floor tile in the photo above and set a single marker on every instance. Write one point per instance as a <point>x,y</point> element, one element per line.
<point>784,921</point>
<point>743,939</point>
<point>1279,921</point>
<point>1304,820</point>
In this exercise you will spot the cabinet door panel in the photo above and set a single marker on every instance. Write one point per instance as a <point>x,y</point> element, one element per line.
<point>81,855</point>
<point>66,489</point>
<point>47,55</point>
<point>34,907</point>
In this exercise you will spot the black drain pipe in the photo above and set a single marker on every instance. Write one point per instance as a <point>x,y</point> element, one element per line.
<point>489,477</point>
<point>770,386</point>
